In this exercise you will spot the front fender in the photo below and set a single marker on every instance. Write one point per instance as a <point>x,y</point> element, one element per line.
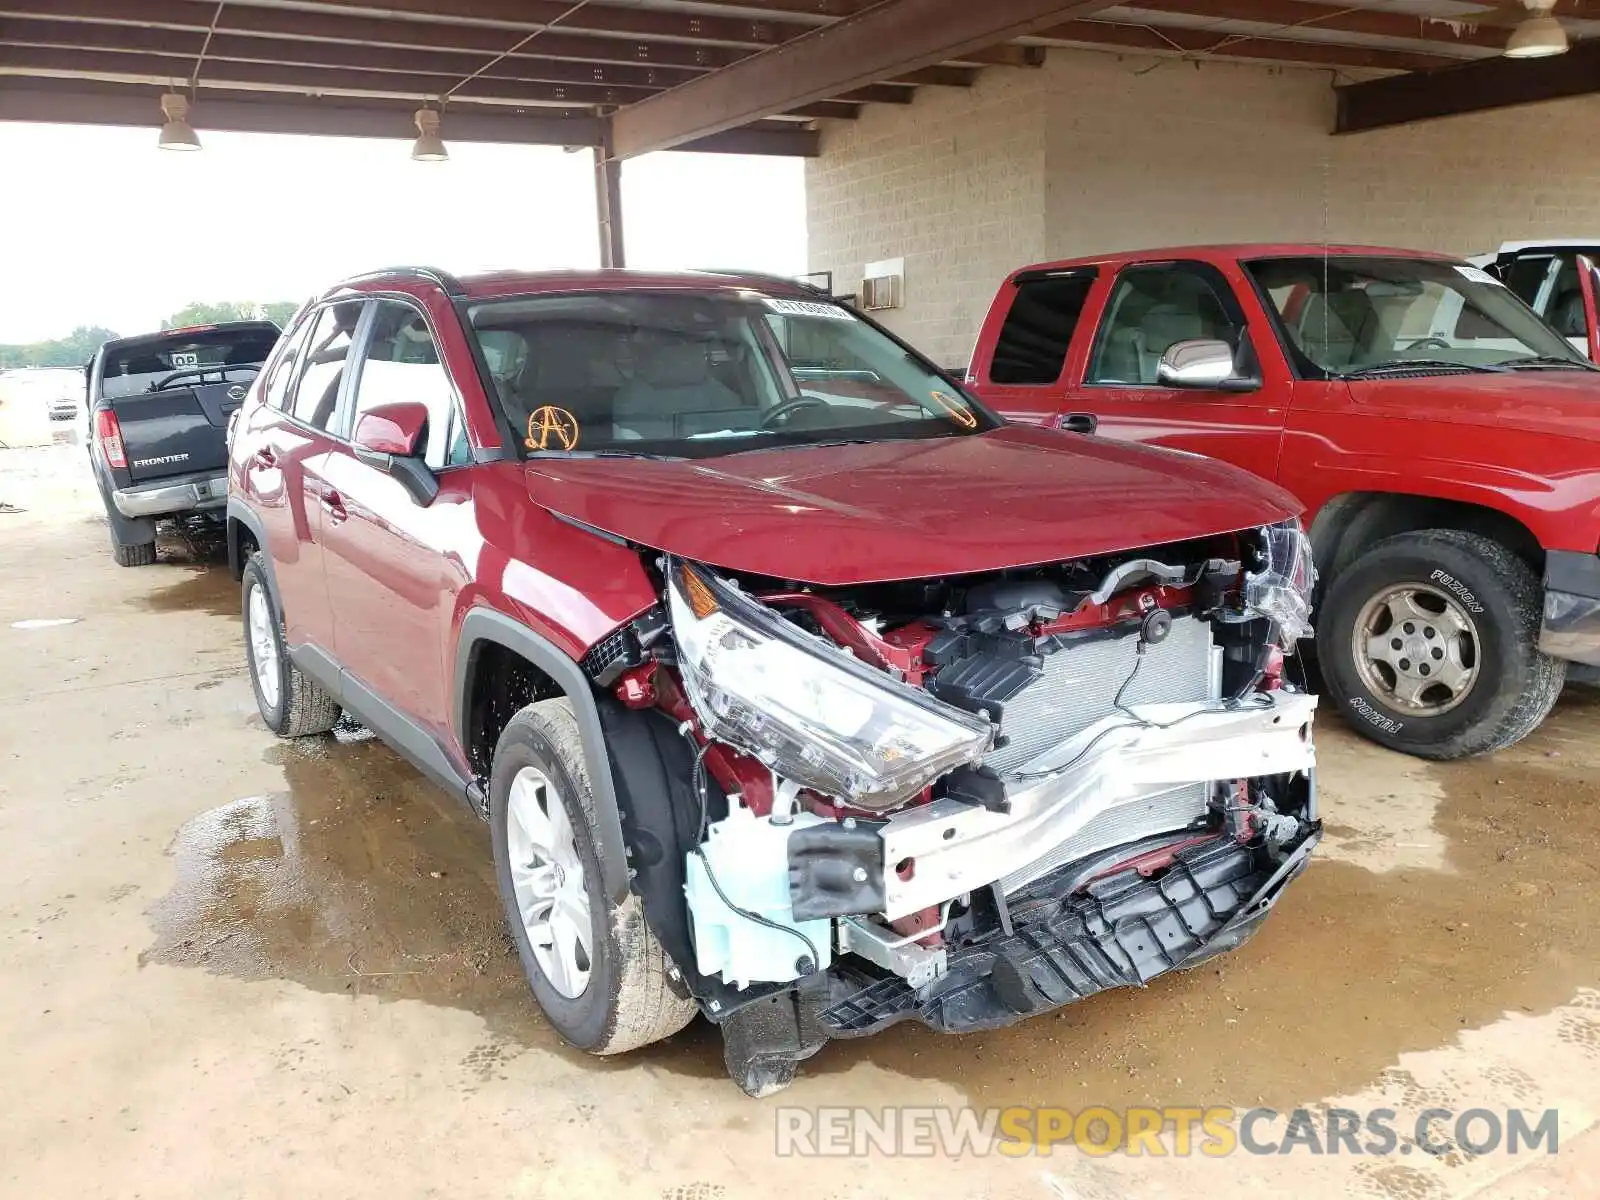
<point>483,626</point>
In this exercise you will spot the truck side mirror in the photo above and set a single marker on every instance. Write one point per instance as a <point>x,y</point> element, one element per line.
<point>1205,363</point>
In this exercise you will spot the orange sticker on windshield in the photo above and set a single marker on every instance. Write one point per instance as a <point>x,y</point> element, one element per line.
<point>963,415</point>
<point>552,428</point>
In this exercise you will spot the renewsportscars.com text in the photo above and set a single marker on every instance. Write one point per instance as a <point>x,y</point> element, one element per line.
<point>1172,1131</point>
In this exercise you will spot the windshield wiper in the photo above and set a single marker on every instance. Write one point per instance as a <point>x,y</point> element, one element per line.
<point>1546,360</point>
<point>1421,364</point>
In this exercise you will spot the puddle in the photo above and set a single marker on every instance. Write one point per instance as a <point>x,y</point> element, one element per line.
<point>203,589</point>
<point>361,877</point>
<point>45,622</point>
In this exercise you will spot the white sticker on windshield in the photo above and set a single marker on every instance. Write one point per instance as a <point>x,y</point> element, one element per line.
<point>185,358</point>
<point>808,308</point>
<point>1477,275</point>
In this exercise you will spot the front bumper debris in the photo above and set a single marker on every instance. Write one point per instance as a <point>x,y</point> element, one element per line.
<point>1112,766</point>
<point>189,493</point>
<point>1067,942</point>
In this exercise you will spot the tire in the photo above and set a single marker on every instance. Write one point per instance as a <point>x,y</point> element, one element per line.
<point>624,1000</point>
<point>301,708</point>
<point>140,554</point>
<point>1509,685</point>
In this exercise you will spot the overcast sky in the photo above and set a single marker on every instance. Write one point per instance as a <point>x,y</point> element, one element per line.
<point>99,227</point>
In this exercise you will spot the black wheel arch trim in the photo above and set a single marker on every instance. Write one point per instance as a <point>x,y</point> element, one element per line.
<point>241,512</point>
<point>486,626</point>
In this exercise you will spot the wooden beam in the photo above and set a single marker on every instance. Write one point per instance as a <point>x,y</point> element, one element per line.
<point>93,102</point>
<point>1490,83</point>
<point>77,102</point>
<point>1298,14</point>
<point>30,60</point>
<point>1168,39</point>
<point>233,47</point>
<point>886,40</point>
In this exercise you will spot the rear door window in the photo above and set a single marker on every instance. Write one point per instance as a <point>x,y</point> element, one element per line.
<point>1033,342</point>
<point>316,397</point>
<point>186,357</point>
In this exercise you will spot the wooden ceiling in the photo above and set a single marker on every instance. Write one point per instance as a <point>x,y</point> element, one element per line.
<point>754,76</point>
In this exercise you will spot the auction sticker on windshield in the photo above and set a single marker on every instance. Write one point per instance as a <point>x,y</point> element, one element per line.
<point>552,428</point>
<point>1477,275</point>
<point>808,308</point>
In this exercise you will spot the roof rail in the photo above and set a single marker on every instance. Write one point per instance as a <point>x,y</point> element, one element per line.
<point>769,276</point>
<point>444,279</point>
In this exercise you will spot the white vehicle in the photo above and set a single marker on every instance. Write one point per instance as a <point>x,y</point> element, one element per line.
<point>1556,278</point>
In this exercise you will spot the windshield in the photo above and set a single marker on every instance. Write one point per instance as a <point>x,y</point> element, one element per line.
<point>1346,314</point>
<point>186,358</point>
<point>691,375</point>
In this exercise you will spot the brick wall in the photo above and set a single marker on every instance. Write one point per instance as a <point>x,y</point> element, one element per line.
<point>1097,152</point>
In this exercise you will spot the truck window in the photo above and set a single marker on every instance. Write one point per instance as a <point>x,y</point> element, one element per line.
<point>1033,341</point>
<point>1154,306</point>
<point>184,357</point>
<point>317,396</point>
<point>402,365</point>
<point>1526,277</point>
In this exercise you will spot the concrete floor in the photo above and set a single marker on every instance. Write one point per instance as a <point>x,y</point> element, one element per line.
<point>231,966</point>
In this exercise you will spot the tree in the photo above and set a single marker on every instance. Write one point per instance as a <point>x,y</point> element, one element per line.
<point>201,312</point>
<point>74,350</point>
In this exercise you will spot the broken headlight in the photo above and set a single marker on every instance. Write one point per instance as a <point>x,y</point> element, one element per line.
<point>804,706</point>
<point>1281,589</point>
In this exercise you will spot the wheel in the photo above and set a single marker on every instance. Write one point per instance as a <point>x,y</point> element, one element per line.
<point>291,704</point>
<point>596,969</point>
<point>140,554</point>
<point>1429,644</point>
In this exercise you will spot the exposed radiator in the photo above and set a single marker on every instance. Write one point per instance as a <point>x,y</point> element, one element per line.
<point>1080,684</point>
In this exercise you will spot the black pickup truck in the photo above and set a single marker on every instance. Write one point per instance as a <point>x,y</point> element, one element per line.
<point>158,418</point>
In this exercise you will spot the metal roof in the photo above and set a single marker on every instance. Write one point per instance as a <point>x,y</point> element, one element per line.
<point>752,76</point>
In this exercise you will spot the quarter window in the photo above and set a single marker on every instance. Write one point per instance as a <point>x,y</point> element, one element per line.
<point>316,399</point>
<point>401,366</point>
<point>276,388</point>
<point>1153,307</point>
<point>1033,342</point>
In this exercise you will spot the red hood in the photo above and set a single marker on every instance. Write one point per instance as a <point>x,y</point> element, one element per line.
<point>906,510</point>
<point>1561,403</point>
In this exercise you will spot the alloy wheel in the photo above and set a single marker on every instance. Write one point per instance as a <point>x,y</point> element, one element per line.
<point>1416,649</point>
<point>547,878</point>
<point>263,646</point>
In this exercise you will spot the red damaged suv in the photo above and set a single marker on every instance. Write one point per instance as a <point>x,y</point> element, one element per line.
<point>798,689</point>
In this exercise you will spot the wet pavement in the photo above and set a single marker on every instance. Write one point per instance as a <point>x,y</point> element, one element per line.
<point>215,945</point>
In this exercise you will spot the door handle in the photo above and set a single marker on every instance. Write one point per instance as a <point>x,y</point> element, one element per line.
<point>1078,422</point>
<point>266,458</point>
<point>333,505</point>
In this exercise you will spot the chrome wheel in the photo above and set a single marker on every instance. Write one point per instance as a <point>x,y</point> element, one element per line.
<point>548,880</point>
<point>1416,649</point>
<point>263,646</point>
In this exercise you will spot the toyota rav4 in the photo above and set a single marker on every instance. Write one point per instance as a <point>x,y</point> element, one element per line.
<point>797,688</point>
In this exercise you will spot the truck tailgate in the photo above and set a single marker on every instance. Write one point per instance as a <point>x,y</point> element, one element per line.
<point>177,431</point>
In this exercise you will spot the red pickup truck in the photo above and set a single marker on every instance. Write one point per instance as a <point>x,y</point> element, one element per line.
<point>1445,441</point>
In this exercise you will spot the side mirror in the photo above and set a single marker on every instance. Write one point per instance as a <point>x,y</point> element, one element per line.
<point>394,429</point>
<point>389,438</point>
<point>1203,363</point>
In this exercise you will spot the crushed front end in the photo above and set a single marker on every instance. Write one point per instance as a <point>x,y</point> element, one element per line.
<point>964,801</point>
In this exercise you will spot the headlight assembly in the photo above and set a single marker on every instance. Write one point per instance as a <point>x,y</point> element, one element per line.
<point>805,707</point>
<point>1281,589</point>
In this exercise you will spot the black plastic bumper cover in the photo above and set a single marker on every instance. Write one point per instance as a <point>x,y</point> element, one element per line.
<point>1572,607</point>
<point>1121,931</point>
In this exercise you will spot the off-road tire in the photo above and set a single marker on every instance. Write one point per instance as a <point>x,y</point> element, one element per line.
<point>628,1002</point>
<point>1517,684</point>
<point>303,707</point>
<point>140,554</point>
